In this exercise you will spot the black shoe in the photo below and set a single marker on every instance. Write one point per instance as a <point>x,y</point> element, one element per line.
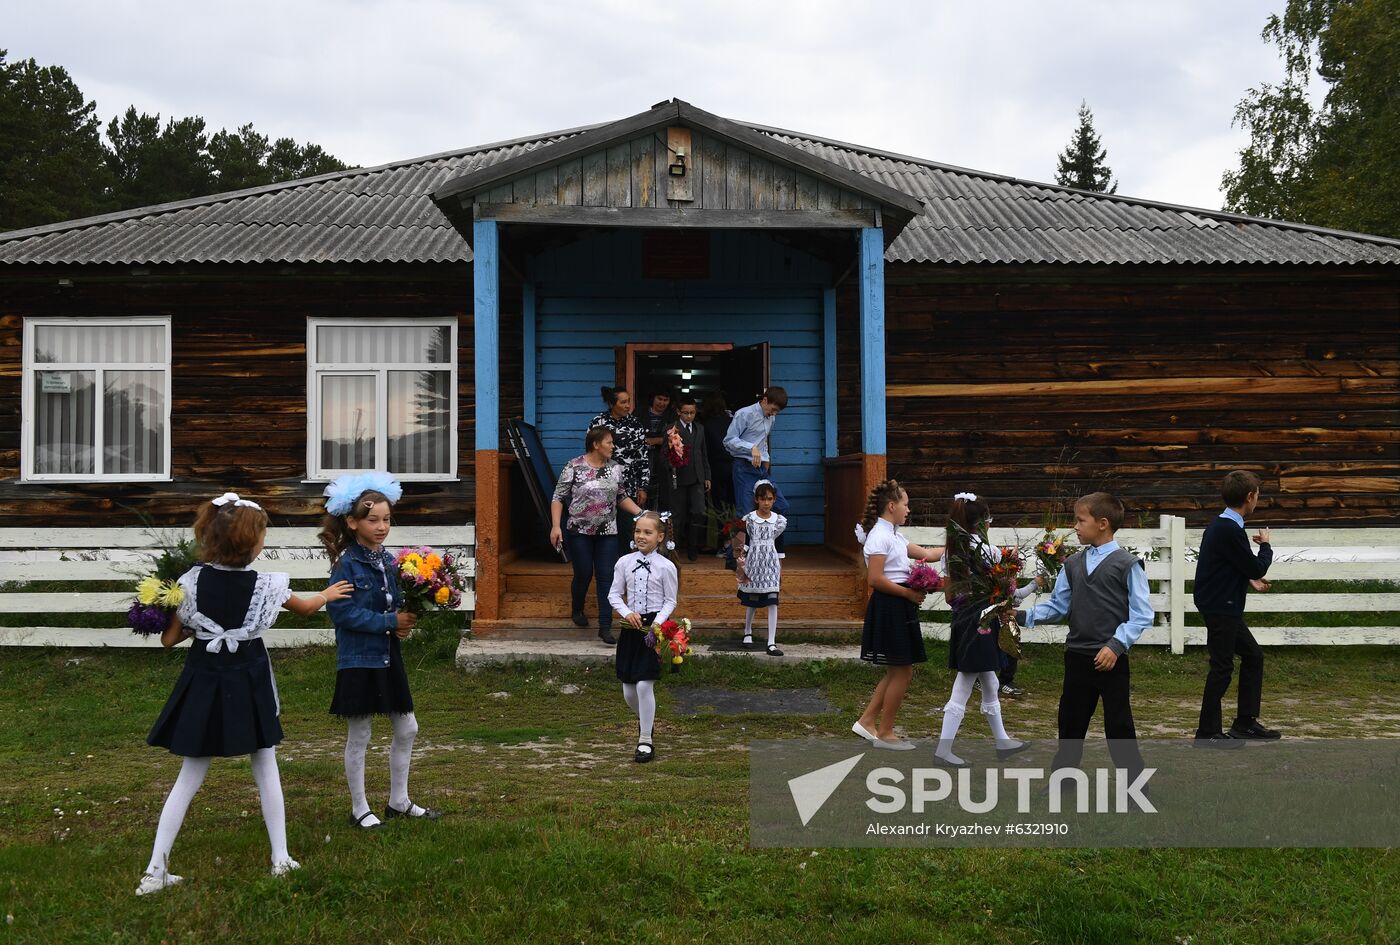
<point>360,821</point>
<point>1218,740</point>
<point>580,619</point>
<point>1254,732</point>
<point>390,812</point>
<point>607,637</point>
<point>690,555</point>
<point>747,642</point>
<point>945,763</point>
<point>774,651</point>
<point>645,753</point>
<point>1004,753</point>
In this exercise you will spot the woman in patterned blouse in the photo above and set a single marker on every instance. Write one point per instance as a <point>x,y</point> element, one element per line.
<point>593,486</point>
<point>630,442</point>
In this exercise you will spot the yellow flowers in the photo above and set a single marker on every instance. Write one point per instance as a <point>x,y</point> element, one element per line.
<point>171,596</point>
<point>443,595</point>
<point>148,591</point>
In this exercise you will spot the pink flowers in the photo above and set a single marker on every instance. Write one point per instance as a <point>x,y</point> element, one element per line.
<point>923,577</point>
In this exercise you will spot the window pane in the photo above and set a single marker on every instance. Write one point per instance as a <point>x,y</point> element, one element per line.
<point>347,422</point>
<point>383,344</point>
<point>420,422</point>
<point>99,344</point>
<point>63,422</point>
<point>133,422</point>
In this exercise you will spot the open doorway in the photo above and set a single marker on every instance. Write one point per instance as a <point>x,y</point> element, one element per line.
<point>739,373</point>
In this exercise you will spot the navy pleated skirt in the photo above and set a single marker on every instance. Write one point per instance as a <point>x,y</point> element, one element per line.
<point>224,704</point>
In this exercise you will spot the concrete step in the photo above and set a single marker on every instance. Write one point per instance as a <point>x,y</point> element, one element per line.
<point>515,606</point>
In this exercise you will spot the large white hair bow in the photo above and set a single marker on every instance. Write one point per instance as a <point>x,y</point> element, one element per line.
<point>233,497</point>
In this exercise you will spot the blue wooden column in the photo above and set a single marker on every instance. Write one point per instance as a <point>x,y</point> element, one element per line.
<point>872,340</point>
<point>829,381</point>
<point>486,317</point>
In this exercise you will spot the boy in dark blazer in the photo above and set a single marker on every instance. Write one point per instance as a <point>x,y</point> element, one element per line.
<point>1225,571</point>
<point>692,481</point>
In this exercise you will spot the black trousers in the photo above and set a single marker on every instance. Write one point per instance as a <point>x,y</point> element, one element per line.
<point>1226,638</point>
<point>1083,687</point>
<point>687,506</point>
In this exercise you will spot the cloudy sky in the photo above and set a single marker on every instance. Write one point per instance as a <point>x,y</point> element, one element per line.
<point>992,85</point>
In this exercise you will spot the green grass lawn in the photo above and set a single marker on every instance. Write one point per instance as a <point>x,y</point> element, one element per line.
<point>552,834</point>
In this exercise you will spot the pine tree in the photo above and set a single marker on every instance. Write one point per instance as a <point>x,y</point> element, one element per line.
<point>1082,163</point>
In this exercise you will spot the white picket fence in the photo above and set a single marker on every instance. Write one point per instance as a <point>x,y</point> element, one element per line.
<point>125,554</point>
<point>1300,554</point>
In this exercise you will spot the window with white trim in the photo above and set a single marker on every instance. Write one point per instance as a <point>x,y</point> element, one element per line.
<point>96,399</point>
<point>382,396</point>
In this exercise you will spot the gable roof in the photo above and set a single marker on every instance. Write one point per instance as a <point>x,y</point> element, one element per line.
<point>386,214</point>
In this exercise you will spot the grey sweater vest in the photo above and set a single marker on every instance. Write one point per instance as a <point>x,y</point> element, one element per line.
<point>1098,602</point>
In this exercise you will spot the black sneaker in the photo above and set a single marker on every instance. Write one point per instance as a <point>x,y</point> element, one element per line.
<point>606,635</point>
<point>1254,732</point>
<point>579,618</point>
<point>1218,740</point>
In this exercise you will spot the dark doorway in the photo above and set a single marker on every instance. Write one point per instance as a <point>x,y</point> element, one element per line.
<point>740,374</point>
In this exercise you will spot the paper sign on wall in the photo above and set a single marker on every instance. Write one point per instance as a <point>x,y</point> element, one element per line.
<point>56,382</point>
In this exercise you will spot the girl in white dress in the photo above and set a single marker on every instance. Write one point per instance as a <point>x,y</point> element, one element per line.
<point>760,569</point>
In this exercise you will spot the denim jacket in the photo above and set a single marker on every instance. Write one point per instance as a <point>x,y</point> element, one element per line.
<point>366,620</point>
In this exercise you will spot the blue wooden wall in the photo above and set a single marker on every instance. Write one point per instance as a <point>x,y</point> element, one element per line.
<point>590,298</point>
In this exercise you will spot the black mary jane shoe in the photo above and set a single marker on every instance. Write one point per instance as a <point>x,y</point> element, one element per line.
<point>607,637</point>
<point>360,821</point>
<point>645,753</point>
<point>579,618</point>
<point>773,650</point>
<point>942,762</point>
<point>429,813</point>
<point>1004,753</point>
<point>747,642</point>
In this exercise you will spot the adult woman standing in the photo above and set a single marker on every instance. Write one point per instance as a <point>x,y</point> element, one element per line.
<point>629,442</point>
<point>592,484</point>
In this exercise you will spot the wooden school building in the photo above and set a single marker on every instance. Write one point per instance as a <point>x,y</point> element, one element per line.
<point>954,328</point>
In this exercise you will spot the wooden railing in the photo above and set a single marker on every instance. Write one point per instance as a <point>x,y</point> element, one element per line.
<point>125,554</point>
<point>1300,554</point>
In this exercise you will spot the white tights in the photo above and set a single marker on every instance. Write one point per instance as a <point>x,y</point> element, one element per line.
<point>177,804</point>
<point>400,756</point>
<point>954,710</point>
<point>772,623</point>
<point>641,699</point>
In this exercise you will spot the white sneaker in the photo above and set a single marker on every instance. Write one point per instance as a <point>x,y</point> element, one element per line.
<point>155,881</point>
<point>283,867</point>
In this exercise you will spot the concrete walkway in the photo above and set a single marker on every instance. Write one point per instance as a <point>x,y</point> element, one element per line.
<point>584,647</point>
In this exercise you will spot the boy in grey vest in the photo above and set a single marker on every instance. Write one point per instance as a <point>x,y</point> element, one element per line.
<point>1102,591</point>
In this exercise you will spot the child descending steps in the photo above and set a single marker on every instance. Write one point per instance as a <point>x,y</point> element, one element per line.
<point>225,702</point>
<point>760,573</point>
<point>972,649</point>
<point>644,588</point>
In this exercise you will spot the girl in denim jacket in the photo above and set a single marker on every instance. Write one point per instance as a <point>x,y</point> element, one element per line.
<point>370,678</point>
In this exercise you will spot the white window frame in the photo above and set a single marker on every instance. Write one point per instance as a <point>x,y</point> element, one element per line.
<point>31,368</point>
<point>315,371</point>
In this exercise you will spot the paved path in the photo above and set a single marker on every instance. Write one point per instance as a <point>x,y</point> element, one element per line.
<point>585,647</point>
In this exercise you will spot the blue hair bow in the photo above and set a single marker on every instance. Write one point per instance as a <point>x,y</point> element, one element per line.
<point>342,493</point>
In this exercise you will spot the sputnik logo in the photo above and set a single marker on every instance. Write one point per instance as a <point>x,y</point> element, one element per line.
<point>812,790</point>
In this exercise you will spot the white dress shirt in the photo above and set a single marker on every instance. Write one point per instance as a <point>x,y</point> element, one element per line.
<point>649,582</point>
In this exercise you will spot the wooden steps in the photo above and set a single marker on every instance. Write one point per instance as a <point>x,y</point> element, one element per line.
<point>821,591</point>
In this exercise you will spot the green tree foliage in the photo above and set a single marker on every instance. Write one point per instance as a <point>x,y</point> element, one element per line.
<point>51,165</point>
<point>1082,163</point>
<point>54,164</point>
<point>1335,163</point>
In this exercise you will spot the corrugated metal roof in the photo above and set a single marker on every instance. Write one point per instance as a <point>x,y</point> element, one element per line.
<point>384,214</point>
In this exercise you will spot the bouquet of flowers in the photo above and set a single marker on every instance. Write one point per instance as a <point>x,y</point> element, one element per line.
<point>677,453</point>
<point>991,577</point>
<point>670,638</point>
<point>924,577</point>
<point>158,595</point>
<point>1051,550</point>
<point>430,581</point>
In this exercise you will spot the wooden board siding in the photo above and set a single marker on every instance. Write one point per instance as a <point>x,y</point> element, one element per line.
<point>634,174</point>
<point>591,298</point>
<point>238,378</point>
<point>1153,383</point>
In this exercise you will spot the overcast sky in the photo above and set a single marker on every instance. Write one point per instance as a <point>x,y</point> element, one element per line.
<point>992,85</point>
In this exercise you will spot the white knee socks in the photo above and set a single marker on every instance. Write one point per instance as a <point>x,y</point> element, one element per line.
<point>748,624</point>
<point>356,744</point>
<point>191,776</point>
<point>641,698</point>
<point>772,625</point>
<point>953,714</point>
<point>400,755</point>
<point>269,782</point>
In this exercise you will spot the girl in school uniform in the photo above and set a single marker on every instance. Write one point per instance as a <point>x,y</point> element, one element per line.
<point>972,651</point>
<point>644,588</point>
<point>370,678</point>
<point>760,572</point>
<point>225,702</point>
<point>892,636</point>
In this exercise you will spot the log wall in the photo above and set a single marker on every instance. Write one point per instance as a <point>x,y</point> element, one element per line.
<point>1029,384</point>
